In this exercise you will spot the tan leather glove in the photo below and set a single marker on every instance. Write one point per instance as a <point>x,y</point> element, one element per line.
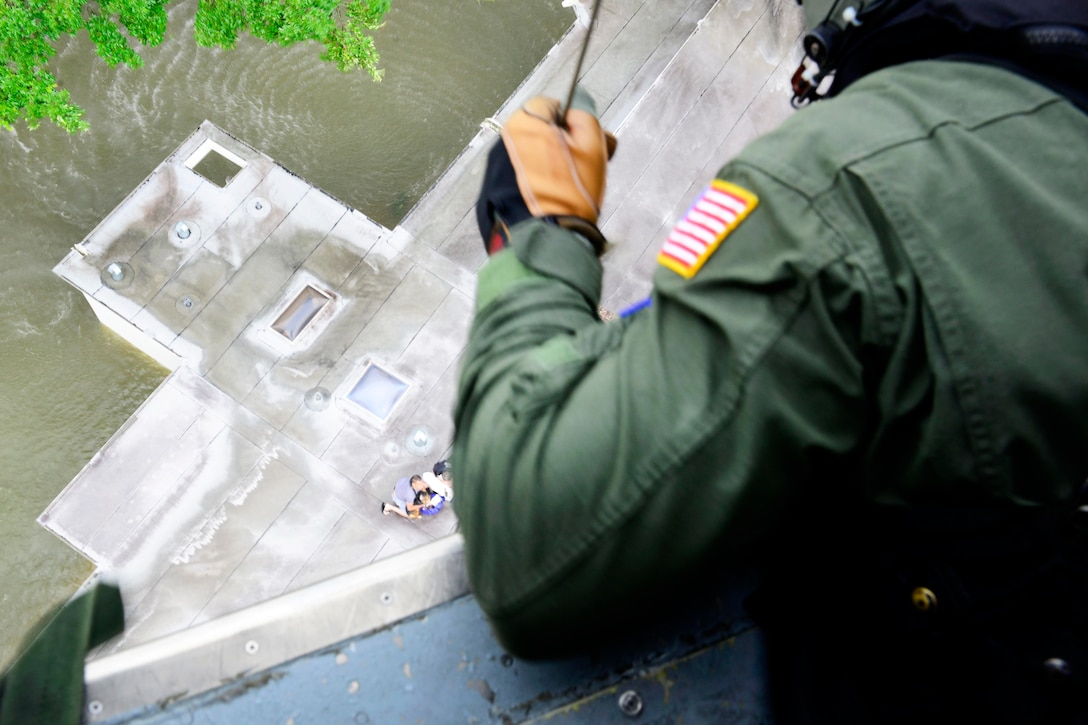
<point>546,168</point>
<point>560,170</point>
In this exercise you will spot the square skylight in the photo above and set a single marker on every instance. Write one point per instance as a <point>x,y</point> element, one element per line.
<point>378,391</point>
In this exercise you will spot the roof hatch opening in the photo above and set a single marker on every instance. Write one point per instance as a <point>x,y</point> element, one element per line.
<point>215,163</point>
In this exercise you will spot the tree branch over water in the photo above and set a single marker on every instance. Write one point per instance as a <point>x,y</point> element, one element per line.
<point>28,29</point>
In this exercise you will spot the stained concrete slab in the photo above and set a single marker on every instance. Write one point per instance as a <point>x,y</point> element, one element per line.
<point>233,483</point>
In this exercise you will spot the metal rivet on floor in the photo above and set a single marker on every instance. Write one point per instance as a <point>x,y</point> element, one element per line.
<point>1057,667</point>
<point>630,703</point>
<point>924,599</point>
<point>1080,520</point>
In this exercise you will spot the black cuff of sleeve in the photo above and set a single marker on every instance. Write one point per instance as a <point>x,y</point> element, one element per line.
<point>583,227</point>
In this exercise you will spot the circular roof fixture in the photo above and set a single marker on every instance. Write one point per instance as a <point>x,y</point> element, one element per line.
<point>391,451</point>
<point>317,399</point>
<point>185,232</point>
<point>187,304</point>
<point>258,207</point>
<point>117,275</point>
<point>420,440</point>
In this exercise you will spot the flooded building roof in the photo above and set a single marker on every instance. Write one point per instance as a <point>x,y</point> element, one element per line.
<point>254,469</point>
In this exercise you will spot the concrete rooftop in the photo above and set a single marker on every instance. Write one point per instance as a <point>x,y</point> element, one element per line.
<point>249,472</point>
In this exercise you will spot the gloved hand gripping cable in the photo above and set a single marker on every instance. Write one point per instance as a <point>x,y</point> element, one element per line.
<point>547,169</point>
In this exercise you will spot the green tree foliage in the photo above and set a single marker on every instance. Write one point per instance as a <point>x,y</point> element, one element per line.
<point>29,28</point>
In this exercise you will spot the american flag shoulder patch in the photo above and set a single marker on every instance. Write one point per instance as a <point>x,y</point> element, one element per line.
<point>718,211</point>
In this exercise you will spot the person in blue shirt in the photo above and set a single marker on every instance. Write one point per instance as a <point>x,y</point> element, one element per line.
<point>410,494</point>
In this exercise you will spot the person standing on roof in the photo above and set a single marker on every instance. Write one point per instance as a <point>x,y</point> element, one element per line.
<point>867,343</point>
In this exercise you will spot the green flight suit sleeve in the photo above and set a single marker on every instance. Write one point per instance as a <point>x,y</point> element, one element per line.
<point>45,685</point>
<point>600,463</point>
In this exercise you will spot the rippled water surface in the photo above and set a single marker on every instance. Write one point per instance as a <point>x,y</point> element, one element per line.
<point>66,383</point>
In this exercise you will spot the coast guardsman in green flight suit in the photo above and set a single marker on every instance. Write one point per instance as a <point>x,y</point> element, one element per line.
<point>863,368</point>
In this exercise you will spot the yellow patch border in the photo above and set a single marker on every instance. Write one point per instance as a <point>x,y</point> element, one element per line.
<point>751,201</point>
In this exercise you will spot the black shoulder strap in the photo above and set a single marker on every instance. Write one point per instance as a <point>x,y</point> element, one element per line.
<point>1045,40</point>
